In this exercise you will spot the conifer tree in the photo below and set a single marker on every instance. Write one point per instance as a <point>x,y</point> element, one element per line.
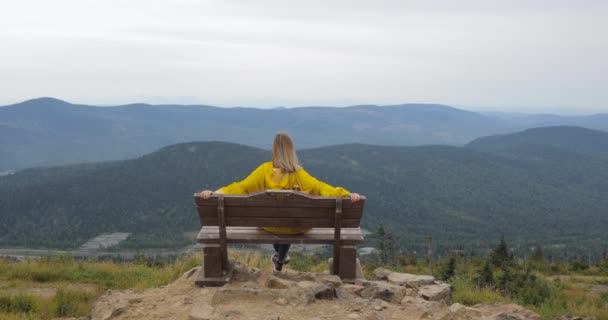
<point>486,278</point>
<point>500,255</point>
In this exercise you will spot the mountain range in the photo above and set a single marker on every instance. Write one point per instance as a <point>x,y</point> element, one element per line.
<point>553,191</point>
<point>48,131</point>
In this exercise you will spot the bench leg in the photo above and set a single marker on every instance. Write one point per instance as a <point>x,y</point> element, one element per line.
<point>212,260</point>
<point>347,270</point>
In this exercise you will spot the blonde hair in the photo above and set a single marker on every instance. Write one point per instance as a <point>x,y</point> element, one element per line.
<point>284,153</point>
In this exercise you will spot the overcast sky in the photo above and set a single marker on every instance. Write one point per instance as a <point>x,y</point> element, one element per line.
<point>528,56</point>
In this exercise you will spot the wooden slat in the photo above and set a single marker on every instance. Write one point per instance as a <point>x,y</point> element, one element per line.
<point>349,236</point>
<point>282,222</point>
<point>350,213</point>
<point>277,198</point>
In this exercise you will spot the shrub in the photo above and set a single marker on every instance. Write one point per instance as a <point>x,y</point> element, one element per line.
<point>71,303</point>
<point>19,303</point>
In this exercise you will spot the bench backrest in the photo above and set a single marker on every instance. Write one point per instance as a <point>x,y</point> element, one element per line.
<point>279,208</point>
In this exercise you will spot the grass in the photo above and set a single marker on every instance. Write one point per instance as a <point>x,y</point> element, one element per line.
<point>106,275</point>
<point>465,292</point>
<point>65,275</point>
<point>76,284</point>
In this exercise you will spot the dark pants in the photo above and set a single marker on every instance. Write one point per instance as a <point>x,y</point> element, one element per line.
<point>281,250</point>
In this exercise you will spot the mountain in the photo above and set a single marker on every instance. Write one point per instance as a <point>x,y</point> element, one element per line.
<point>47,131</point>
<point>458,195</point>
<point>575,139</point>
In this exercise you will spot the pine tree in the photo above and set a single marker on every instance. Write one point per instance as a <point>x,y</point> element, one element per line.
<point>500,255</point>
<point>449,270</point>
<point>486,278</point>
<point>387,245</point>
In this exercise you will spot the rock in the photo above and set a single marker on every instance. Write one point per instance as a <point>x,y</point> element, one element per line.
<point>352,288</point>
<point>243,273</point>
<point>201,312</point>
<point>461,312</point>
<point>413,312</point>
<point>325,291</point>
<point>188,300</point>
<point>108,309</point>
<point>353,316</point>
<point>306,284</point>
<point>382,290</point>
<point>281,301</point>
<point>300,295</point>
<point>295,276</point>
<point>410,279</point>
<point>224,295</point>
<point>232,314</point>
<point>278,283</point>
<point>381,273</point>
<point>135,300</point>
<point>329,278</point>
<point>436,292</point>
<point>413,300</point>
<point>344,295</point>
<point>190,273</point>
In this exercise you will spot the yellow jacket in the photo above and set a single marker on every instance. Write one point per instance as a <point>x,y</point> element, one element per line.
<point>268,177</point>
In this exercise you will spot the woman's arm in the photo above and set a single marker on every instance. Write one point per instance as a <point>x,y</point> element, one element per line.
<point>253,182</point>
<point>314,186</point>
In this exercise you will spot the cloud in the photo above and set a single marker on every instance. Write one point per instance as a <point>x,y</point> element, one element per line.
<point>477,53</point>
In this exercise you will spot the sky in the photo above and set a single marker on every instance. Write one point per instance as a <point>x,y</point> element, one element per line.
<point>515,55</point>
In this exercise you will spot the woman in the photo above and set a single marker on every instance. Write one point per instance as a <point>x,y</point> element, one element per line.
<point>283,172</point>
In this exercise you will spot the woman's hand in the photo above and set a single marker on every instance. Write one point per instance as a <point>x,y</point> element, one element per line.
<point>354,197</point>
<point>206,194</point>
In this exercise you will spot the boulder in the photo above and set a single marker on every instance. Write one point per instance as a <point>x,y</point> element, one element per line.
<point>382,290</point>
<point>381,273</point>
<point>352,288</point>
<point>325,291</point>
<point>436,292</point>
<point>242,273</point>
<point>461,312</point>
<point>278,283</point>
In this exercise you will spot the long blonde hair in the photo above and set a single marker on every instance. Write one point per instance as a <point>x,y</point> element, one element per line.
<point>284,153</point>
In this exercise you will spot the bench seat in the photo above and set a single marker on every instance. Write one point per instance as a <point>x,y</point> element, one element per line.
<point>256,235</point>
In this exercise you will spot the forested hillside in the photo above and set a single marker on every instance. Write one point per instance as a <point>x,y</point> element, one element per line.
<point>46,131</point>
<point>460,196</point>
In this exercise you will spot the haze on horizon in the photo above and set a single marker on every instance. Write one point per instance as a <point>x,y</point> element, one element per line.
<point>522,56</point>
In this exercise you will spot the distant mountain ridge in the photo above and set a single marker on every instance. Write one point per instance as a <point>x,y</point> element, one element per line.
<point>456,194</point>
<point>576,139</point>
<point>48,131</point>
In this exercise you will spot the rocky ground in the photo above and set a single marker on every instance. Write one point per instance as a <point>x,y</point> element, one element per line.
<point>255,294</point>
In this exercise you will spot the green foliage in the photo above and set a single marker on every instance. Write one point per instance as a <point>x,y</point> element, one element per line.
<point>71,303</point>
<point>457,195</point>
<point>486,275</point>
<point>448,270</point>
<point>500,256</point>
<point>104,274</point>
<point>579,265</point>
<point>464,291</point>
<point>19,303</point>
<point>386,244</point>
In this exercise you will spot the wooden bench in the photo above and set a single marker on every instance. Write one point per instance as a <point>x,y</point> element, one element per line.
<point>239,218</point>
